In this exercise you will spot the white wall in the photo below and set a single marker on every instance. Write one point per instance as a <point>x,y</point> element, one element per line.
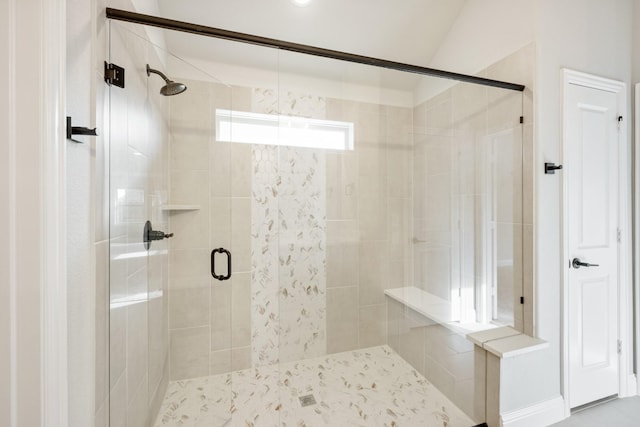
<point>479,38</point>
<point>636,259</point>
<point>590,36</point>
<point>485,32</point>
<point>32,299</point>
<point>80,262</point>
<point>6,214</point>
<point>636,41</point>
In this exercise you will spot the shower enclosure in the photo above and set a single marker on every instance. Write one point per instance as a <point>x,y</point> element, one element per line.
<point>331,223</point>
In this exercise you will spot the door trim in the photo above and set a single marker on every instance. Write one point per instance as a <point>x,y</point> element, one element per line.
<point>54,357</point>
<point>636,220</point>
<point>626,380</point>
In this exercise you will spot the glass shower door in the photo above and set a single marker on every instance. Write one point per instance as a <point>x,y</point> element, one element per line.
<point>170,319</point>
<point>289,251</point>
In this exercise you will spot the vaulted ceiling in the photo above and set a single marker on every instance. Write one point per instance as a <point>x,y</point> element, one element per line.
<point>407,31</point>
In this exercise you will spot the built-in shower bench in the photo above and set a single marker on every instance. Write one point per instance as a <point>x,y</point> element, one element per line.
<point>501,341</point>
<point>506,361</point>
<point>434,308</point>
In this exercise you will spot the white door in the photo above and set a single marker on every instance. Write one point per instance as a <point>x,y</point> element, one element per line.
<point>591,171</point>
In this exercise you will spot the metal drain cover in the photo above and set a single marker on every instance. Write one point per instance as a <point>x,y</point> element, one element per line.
<point>307,400</point>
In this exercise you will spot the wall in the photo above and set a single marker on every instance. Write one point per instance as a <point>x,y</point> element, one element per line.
<point>469,143</point>
<point>636,42</point>
<point>138,278</point>
<point>82,244</point>
<point>484,32</point>
<point>636,187</point>
<point>316,235</point>
<point>88,238</point>
<point>32,251</point>
<point>588,36</point>
<point>473,194</point>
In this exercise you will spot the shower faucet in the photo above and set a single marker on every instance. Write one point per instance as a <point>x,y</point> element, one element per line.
<point>149,235</point>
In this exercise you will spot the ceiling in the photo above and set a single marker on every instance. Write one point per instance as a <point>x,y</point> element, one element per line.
<point>408,31</point>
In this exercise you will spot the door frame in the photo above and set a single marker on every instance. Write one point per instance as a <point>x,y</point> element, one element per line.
<point>35,55</point>
<point>636,221</point>
<point>626,379</point>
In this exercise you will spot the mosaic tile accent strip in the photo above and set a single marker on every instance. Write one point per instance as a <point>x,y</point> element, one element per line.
<point>288,103</point>
<point>288,280</point>
<point>370,387</point>
<point>265,317</point>
<point>302,227</point>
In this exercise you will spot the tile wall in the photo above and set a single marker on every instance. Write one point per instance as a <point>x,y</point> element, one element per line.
<point>138,279</point>
<point>473,162</point>
<point>316,235</point>
<point>369,222</point>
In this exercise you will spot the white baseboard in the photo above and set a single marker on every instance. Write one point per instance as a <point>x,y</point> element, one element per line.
<point>538,415</point>
<point>632,386</point>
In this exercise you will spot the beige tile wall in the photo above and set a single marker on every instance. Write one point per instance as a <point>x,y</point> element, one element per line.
<point>458,134</point>
<point>136,288</point>
<point>368,229</point>
<point>369,222</point>
<point>473,192</point>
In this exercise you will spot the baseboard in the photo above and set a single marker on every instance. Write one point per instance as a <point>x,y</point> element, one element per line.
<point>632,386</point>
<point>541,414</point>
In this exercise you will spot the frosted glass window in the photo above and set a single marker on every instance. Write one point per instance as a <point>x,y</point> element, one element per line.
<point>270,129</point>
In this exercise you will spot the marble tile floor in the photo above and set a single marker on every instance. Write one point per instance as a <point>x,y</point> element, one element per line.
<point>369,387</point>
<point>619,413</point>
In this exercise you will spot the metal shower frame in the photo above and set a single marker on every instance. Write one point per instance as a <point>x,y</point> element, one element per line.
<point>187,27</point>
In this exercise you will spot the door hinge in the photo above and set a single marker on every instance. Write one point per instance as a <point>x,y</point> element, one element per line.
<point>113,75</point>
<point>619,347</point>
<point>620,119</point>
<point>521,119</point>
<point>521,300</point>
<point>619,235</point>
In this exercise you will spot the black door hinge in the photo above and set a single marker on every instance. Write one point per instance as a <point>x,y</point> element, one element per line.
<point>113,75</point>
<point>521,119</point>
<point>521,300</point>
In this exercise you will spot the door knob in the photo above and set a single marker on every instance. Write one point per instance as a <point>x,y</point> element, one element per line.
<point>576,263</point>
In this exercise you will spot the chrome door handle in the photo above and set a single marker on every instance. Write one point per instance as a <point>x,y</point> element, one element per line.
<point>576,263</point>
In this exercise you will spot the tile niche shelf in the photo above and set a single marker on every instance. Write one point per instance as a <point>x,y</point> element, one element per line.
<point>180,208</point>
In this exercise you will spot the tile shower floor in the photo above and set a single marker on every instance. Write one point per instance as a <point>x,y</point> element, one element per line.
<point>370,387</point>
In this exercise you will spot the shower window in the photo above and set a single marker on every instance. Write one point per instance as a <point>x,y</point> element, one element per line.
<point>292,131</point>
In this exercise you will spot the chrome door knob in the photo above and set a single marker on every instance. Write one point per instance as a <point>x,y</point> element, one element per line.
<point>576,263</point>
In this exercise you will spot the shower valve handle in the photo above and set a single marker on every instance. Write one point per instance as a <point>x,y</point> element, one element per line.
<point>158,235</point>
<point>149,235</point>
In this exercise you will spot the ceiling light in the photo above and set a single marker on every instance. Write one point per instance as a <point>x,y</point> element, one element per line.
<point>301,2</point>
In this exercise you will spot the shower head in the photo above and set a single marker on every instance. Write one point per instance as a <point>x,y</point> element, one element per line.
<point>171,88</point>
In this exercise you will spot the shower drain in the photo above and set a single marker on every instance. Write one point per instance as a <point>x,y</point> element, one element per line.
<point>307,400</point>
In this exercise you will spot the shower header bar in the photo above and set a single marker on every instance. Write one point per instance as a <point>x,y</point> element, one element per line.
<point>187,27</point>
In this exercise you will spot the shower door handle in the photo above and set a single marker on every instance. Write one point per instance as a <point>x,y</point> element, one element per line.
<point>213,264</point>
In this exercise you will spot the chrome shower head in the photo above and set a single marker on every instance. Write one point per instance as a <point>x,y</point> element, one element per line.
<point>171,88</point>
